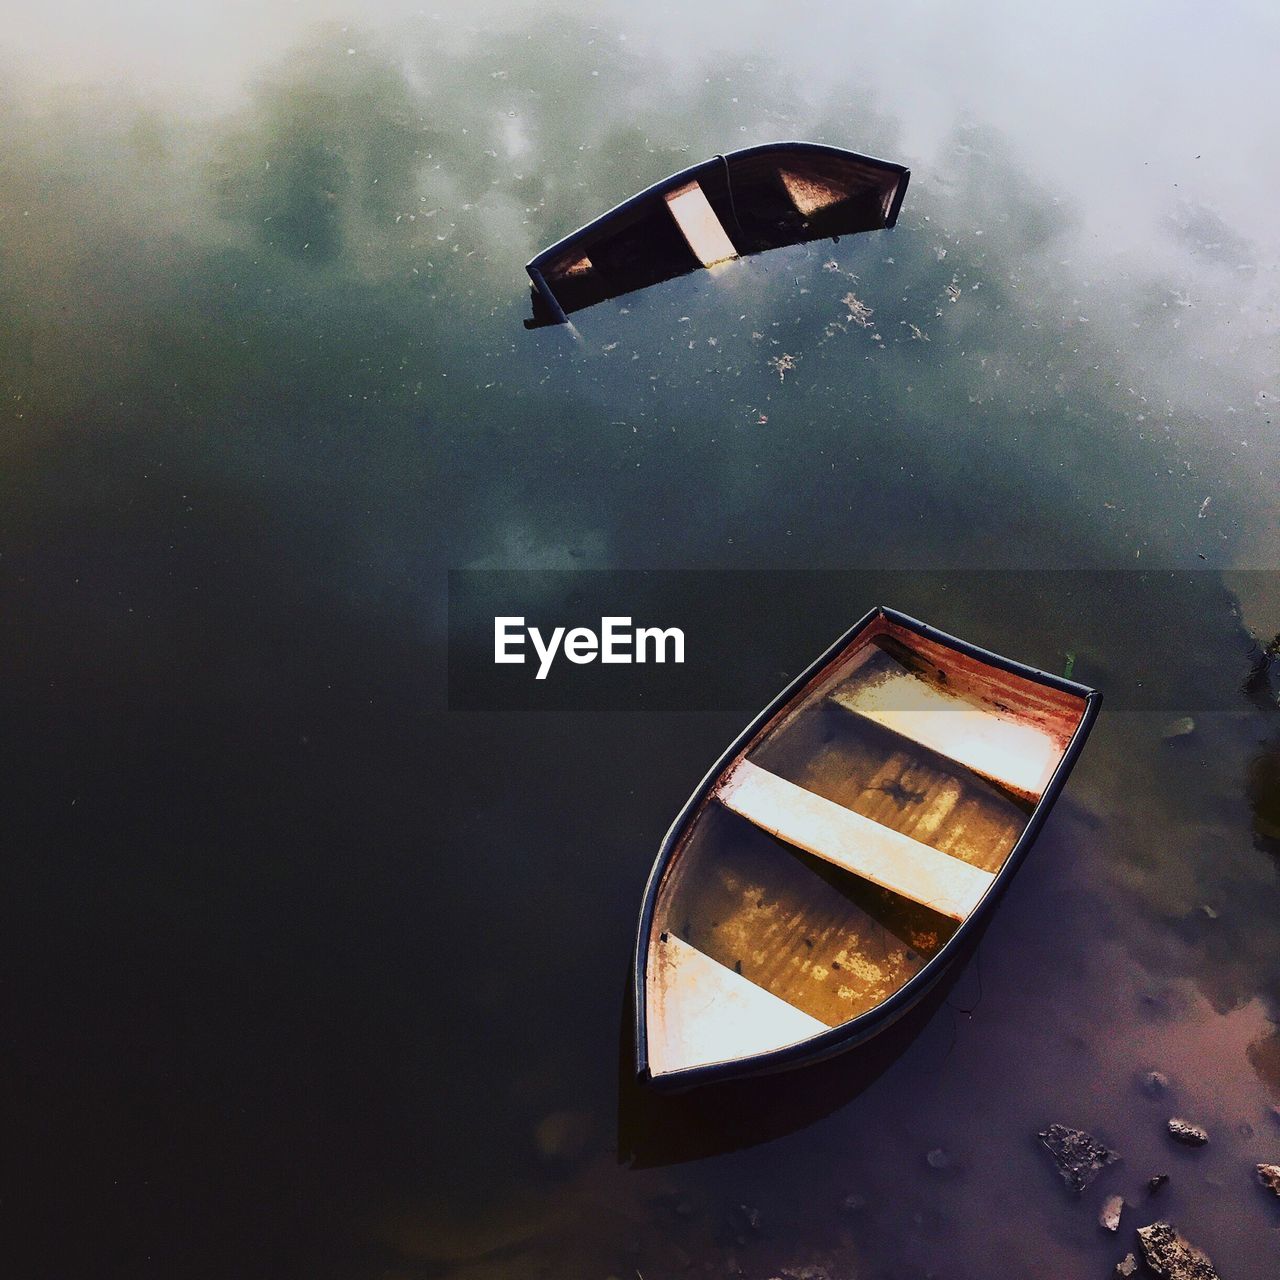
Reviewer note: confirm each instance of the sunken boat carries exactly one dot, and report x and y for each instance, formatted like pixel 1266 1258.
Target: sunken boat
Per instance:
pixel 728 207
pixel 826 871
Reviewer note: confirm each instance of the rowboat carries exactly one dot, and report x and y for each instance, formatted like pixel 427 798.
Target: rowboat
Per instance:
pixel 728 207
pixel 827 869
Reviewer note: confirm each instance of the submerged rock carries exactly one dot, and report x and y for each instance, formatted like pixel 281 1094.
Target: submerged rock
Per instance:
pixel 1109 1218
pixel 1126 1267
pixel 563 1137
pixel 1156 1181
pixel 1078 1156
pixel 1171 1256
pixel 1154 1083
pixel 1269 1176
pixel 742 1223
pixel 1192 1135
pixel 1262 684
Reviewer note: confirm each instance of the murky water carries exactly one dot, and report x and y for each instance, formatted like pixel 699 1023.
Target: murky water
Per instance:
pixel 306 975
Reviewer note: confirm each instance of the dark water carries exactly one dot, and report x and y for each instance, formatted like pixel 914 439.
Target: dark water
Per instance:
pixel 304 974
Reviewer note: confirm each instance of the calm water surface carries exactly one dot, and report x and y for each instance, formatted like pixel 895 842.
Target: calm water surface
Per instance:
pixel 306 975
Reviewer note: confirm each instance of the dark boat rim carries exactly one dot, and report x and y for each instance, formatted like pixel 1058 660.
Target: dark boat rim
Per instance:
pixel 863 1026
pixel 658 188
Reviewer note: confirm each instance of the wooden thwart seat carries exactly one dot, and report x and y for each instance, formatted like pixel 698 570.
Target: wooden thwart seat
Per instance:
pixel 848 840
pixel 702 230
pixel 702 1011
pixel 1019 756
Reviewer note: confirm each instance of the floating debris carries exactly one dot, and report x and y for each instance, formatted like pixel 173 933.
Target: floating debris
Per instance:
pixel 1204 508
pixel 1171 1256
pixel 941 1159
pixel 783 364
pixel 1269 1176
pixel 1192 1135
pixel 1180 728
pixel 1079 1157
pixel 857 311
pixel 1109 1218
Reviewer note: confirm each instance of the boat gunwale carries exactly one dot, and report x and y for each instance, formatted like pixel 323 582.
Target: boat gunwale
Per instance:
pixel 862 1026
pixel 663 185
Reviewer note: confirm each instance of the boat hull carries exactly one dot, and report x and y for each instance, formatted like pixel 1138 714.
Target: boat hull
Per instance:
pixel 828 1040
pixel 733 205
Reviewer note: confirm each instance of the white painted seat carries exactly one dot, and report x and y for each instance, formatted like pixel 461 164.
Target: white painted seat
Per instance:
pixel 699 225
pixel 701 1011
pixel 1018 755
pixel 846 839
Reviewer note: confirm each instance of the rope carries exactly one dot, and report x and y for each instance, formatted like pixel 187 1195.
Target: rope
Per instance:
pixel 733 208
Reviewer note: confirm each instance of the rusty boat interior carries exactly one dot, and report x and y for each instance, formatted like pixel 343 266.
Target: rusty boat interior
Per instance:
pixel 843 847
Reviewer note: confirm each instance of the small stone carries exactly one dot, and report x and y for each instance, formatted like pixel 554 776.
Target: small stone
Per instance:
pixel 1078 1156
pixel 1156 1182
pixel 1109 1218
pixel 1171 1256
pixel 749 1216
pixel 1154 1083
pixel 1269 1176
pixel 1192 1135
pixel 1126 1267
pixel 1179 728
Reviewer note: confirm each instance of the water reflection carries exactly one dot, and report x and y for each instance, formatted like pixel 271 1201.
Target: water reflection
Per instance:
pixel 1264 797
pixel 303 966
pixel 657 1129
